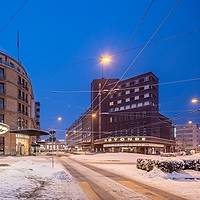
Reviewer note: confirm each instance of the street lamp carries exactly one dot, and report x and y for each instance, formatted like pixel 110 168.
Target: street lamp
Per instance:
pixel 194 100
pixel 104 60
pixel 92 134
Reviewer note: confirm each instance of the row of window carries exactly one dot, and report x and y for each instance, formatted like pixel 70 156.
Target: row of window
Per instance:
pixel 22 109
pixel 130 91
pixel 23 96
pixel 10 64
pixel 132 99
pixel 22 123
pixel 127 117
pixel 146 103
pixel 137 81
pixel 22 82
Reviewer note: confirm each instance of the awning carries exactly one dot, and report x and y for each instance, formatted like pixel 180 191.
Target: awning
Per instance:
pixel 34 144
pixel 30 132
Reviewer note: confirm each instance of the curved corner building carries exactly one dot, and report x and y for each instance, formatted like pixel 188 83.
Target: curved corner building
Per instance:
pixel 18 110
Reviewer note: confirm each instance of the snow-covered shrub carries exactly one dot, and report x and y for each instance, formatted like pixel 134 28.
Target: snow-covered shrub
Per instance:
pixel 192 164
pixel 170 166
pixel 145 164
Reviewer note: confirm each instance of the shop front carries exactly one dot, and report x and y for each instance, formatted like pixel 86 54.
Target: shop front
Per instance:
pixel 26 141
pixel 23 144
pixel 143 145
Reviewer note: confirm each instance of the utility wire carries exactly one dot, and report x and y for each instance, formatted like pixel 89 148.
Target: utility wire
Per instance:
pixel 115 53
pixel 122 89
pixel 144 47
pixel 14 15
pixel 134 33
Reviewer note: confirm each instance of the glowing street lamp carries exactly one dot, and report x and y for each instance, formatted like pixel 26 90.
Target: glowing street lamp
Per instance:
pixel 194 100
pixel 104 60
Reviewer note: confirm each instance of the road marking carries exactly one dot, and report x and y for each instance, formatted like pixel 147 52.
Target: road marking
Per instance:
pixel 142 190
pixel 88 190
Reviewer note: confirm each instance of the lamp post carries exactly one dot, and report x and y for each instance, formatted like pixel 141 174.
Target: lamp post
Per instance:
pixel 104 60
pixel 92 134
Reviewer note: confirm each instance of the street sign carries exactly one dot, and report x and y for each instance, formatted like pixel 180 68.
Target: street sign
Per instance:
pixel 52 134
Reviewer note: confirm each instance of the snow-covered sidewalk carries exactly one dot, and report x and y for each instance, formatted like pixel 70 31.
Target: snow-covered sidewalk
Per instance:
pixel 35 178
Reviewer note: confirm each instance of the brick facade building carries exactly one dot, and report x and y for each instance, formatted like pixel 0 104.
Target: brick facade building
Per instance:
pixel 126 117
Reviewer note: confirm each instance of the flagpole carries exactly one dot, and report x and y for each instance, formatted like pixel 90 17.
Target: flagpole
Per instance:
pixel 18 43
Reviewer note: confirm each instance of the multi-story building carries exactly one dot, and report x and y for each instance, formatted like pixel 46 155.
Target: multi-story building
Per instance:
pixel 18 109
pixel 127 117
pixel 186 136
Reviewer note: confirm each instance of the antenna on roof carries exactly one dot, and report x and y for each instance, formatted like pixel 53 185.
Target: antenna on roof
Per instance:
pixel 18 43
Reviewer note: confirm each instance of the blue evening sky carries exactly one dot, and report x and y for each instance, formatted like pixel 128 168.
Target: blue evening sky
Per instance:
pixel 61 42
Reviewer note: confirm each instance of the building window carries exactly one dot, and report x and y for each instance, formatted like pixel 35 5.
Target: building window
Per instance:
pixel 146 87
pixel 119 101
pixel 127 99
pixel 136 90
pixel 146 79
pixel 126 117
pixel 132 128
pixel 121 118
pixel 137 115
pixel 128 92
pixel 119 94
pixel 133 106
pixel 111 119
pixel 136 81
pixel 116 109
pixel 128 107
pixel 140 104
pixel 1 103
pixel 127 84
pixel 115 119
pixel 136 97
pixel 122 108
pixel 138 129
pixel 146 95
pixel 146 103
pixel 2 118
pixel 1 73
pixel 111 96
pixel 144 114
pixel 19 107
pixel 1 88
pixel 111 103
pixel 132 116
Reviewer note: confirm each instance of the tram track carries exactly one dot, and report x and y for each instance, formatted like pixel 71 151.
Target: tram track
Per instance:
pixel 102 184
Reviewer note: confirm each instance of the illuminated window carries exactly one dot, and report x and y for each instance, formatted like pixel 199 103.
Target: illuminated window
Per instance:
pixel 111 103
pixel 128 92
pixel 119 101
pixel 136 90
pixel 136 97
pixel 127 99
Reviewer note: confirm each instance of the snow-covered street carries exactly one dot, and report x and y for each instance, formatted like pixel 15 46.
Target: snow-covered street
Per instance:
pixel 34 177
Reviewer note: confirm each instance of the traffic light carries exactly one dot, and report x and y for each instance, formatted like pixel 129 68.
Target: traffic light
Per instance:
pixel 52 134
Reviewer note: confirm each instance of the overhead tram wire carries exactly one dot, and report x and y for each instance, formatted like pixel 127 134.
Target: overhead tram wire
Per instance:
pixel 144 47
pixel 115 53
pixel 14 15
pixel 134 33
pixel 121 89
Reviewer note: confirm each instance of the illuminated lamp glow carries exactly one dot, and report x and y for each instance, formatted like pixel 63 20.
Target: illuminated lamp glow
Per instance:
pixel 4 128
